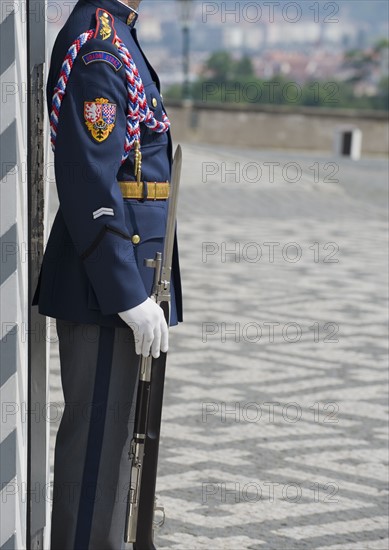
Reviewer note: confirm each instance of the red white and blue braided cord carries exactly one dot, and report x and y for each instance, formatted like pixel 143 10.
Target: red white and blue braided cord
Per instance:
pixel 60 89
pixel 138 109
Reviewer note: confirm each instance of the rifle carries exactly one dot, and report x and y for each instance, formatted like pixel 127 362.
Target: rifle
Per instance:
pixel 145 442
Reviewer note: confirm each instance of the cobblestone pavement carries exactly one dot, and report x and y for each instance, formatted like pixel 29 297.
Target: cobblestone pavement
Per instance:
pixel 275 419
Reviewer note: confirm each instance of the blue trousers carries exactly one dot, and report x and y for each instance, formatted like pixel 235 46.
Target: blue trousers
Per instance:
pixel 99 373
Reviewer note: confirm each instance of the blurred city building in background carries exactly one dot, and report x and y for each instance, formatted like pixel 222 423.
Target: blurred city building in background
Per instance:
pixel 343 41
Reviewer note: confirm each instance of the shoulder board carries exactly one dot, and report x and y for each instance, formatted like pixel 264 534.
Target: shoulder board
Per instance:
pixel 105 29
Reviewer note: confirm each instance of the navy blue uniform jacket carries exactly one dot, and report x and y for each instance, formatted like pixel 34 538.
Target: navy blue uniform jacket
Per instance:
pixel 91 269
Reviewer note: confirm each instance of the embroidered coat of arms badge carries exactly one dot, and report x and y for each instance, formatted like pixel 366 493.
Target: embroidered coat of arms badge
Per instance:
pixel 100 117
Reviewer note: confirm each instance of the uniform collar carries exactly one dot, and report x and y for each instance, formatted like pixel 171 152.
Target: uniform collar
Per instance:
pixel 118 10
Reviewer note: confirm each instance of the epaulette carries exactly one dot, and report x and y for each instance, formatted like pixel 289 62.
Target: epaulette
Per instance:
pixel 105 28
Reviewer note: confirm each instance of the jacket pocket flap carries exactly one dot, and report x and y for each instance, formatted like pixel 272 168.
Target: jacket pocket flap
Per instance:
pixel 147 219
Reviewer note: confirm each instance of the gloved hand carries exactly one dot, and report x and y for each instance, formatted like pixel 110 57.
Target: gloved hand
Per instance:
pixel 150 329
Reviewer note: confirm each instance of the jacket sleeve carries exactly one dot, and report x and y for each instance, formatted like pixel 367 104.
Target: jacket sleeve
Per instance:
pixel 86 164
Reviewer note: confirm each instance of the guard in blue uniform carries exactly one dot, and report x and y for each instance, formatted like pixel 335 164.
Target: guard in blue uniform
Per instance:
pixel 113 152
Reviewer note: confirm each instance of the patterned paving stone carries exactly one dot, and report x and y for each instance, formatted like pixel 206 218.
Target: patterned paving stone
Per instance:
pixel 275 424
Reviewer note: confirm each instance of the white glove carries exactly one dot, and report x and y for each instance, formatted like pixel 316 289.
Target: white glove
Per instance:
pixel 150 329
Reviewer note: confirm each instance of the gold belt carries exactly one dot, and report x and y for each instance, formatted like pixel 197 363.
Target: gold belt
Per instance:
pixel 148 190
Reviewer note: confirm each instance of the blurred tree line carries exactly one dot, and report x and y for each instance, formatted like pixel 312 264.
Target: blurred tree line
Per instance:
pixel 225 79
